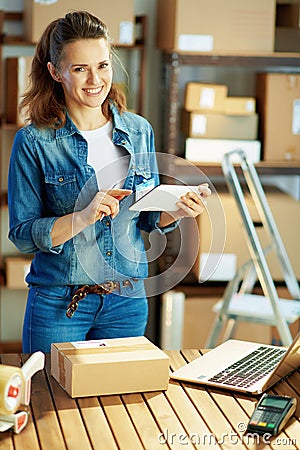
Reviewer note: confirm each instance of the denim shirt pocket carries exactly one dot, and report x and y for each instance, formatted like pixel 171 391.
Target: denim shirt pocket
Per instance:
pixel 62 191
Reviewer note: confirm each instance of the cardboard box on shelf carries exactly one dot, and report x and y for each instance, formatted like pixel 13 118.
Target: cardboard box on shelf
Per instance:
pixel 118 16
pixel 219 126
pixel 109 366
pixel 17 81
pixel 16 270
pixel 213 150
pixel 216 26
pixel 285 209
pixel 240 106
pixel 278 104
pixel 205 97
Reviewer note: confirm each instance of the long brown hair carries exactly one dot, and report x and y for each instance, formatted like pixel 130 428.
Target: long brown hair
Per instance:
pixel 44 101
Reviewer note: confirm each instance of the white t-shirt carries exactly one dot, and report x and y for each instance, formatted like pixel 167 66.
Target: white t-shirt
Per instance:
pixel 109 161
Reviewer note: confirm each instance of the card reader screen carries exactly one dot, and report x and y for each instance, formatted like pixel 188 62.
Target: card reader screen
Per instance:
pixel 274 402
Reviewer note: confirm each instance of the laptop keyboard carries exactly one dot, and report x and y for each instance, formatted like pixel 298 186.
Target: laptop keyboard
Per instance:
pixel 250 369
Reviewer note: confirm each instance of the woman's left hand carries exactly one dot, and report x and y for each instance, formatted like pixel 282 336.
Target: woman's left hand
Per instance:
pixel 192 204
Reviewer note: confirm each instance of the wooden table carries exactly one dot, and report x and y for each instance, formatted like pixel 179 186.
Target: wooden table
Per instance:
pixel 185 416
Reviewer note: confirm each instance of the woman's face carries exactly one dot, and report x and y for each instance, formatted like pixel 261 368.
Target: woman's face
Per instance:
pixel 86 73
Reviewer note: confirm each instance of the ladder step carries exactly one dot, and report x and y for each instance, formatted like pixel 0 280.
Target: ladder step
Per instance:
pixel 258 308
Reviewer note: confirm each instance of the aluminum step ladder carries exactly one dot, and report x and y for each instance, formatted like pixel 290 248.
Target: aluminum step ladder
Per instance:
pixel 238 302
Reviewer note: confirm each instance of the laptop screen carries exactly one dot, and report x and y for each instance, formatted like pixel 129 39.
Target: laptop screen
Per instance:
pixel 290 363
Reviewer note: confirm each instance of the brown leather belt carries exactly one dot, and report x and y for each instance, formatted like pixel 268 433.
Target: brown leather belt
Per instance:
pixel 104 288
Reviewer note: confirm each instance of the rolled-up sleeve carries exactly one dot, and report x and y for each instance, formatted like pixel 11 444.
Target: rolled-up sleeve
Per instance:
pixel 41 235
pixel 29 229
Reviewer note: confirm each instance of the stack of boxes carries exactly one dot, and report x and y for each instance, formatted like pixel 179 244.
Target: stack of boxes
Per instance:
pixel 215 123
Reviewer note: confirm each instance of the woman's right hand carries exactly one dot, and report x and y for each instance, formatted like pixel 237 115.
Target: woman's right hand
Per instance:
pixel 105 203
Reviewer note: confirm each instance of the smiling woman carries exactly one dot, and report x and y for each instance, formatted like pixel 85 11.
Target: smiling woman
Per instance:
pixel 73 169
pixel 86 77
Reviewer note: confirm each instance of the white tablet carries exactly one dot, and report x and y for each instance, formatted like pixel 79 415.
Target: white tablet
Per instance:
pixel 162 198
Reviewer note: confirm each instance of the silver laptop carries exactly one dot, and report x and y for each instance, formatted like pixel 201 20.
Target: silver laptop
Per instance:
pixel 242 366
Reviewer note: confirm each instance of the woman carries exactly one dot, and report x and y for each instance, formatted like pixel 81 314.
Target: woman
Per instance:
pixel 72 176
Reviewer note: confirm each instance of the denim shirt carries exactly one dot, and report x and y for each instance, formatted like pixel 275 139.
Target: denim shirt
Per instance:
pixel 49 177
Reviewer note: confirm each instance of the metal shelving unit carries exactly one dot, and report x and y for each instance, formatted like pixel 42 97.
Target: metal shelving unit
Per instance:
pixel 172 73
pixel 173 64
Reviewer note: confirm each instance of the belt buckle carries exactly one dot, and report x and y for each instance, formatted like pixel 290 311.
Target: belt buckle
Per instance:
pixel 108 287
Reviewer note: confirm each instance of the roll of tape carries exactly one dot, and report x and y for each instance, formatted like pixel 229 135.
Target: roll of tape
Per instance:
pixel 12 385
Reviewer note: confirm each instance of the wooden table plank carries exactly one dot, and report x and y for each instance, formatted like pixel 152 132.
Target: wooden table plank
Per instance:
pixel 180 358
pixel 176 359
pixel 197 430
pixel 237 417
pixel 44 414
pixel 213 416
pixel 6 441
pixel 168 421
pixel 120 423
pixel 68 414
pixel 143 421
pixel 96 424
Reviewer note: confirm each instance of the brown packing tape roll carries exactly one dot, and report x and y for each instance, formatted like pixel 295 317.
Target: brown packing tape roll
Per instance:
pixel 12 385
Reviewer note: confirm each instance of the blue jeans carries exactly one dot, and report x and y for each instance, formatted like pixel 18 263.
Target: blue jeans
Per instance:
pixel 97 317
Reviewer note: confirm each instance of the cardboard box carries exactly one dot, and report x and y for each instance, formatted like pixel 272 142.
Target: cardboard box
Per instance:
pixel 240 106
pixel 17 269
pixel 219 126
pixel 216 25
pixel 285 209
pixel 213 150
pixel 17 82
pixel 205 97
pixel 118 16
pixel 278 104
pixel 110 366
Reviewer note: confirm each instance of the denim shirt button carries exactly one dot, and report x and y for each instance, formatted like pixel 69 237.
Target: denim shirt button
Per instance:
pixel 108 253
pixel 61 179
pixel 107 223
